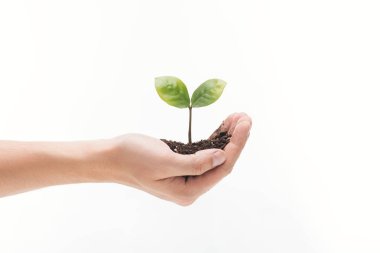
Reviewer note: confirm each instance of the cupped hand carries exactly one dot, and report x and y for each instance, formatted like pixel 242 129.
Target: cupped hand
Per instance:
pixel 148 163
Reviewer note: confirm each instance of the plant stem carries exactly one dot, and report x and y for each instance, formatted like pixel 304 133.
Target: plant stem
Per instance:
pixel 189 135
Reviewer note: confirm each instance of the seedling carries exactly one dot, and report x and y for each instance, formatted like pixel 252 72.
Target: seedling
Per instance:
pixel 174 92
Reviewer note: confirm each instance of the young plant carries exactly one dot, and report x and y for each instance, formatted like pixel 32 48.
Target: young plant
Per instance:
pixel 174 92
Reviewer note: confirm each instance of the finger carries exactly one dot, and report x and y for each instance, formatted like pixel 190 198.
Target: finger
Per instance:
pixel 240 134
pixel 229 124
pixel 187 192
pixel 223 127
pixel 232 150
pixel 217 131
pixel 237 118
pixel 198 163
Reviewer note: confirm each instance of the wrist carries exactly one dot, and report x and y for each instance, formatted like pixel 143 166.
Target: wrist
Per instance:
pixel 99 160
pixel 108 161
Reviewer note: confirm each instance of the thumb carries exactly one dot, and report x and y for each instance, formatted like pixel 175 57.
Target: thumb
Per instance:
pixel 200 162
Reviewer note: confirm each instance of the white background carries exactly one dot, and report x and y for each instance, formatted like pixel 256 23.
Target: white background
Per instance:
pixel 306 71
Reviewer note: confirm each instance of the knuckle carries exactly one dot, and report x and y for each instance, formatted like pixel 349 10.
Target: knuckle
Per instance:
pixel 250 120
pixel 246 117
pixel 185 198
pixel 185 202
pixel 198 166
pixel 228 170
pixel 201 163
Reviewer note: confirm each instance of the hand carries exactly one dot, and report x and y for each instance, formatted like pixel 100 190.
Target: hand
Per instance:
pixel 148 164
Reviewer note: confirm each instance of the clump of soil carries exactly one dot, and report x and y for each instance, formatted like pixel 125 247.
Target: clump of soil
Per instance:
pixel 219 140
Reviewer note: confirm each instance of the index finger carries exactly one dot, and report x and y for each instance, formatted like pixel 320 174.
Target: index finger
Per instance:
pixel 228 125
pixel 233 149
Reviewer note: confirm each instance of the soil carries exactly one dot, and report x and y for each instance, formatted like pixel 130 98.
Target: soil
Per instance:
pixel 219 140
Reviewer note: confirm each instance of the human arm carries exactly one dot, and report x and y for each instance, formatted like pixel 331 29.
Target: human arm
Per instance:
pixel 135 160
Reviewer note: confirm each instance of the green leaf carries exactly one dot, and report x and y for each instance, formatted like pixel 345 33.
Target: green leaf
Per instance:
pixel 173 91
pixel 207 93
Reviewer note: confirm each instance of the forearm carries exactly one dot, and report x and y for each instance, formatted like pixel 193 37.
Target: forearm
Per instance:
pixel 26 166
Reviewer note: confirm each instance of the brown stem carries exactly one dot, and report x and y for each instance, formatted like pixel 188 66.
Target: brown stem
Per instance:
pixel 189 135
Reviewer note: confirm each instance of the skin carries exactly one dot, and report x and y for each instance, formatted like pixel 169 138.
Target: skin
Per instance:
pixel 134 160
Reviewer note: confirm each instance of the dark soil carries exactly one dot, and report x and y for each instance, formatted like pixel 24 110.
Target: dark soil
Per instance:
pixel 219 140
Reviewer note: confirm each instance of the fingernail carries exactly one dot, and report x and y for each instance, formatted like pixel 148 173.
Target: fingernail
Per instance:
pixel 218 158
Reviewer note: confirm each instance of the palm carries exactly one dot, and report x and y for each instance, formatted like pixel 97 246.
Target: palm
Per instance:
pixel 238 125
